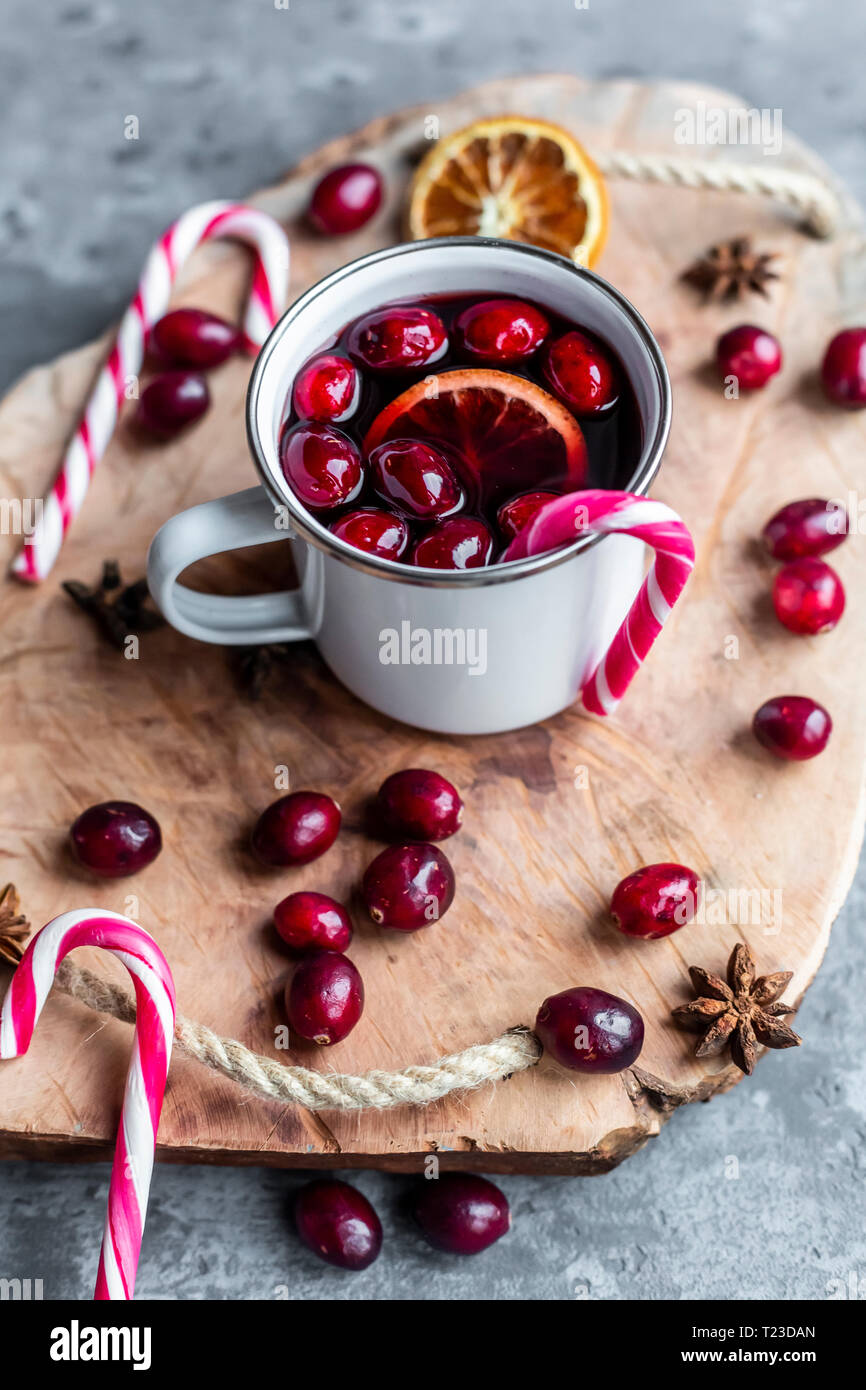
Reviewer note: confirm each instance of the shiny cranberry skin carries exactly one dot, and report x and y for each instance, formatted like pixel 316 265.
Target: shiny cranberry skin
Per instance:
pixel 327 389
pixel 460 543
pixel 115 838
pixel 793 727
pixel 581 374
pixel 808 596
pixel 415 478
pixel 501 331
pixel 376 531
pixel 843 371
pixel 408 886
pixel 587 1029
pixel 338 1224
pixel 345 199
pixel 517 512
pixel 325 998
pixel 750 354
pixel 656 900
pixel 194 338
pixel 416 804
pixel 321 465
pixel 313 922
pixel 297 828
pixel 812 526
pixel 398 339
pixel 462 1213
pixel 172 401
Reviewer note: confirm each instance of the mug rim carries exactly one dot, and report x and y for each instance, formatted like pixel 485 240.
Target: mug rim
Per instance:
pixel 318 535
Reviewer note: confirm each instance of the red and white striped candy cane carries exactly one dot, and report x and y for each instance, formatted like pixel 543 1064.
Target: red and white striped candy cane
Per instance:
pixel 266 301
pixel 623 513
pixel 145 1080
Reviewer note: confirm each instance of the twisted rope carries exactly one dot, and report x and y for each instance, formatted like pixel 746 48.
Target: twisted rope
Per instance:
pixel 807 193
pixel 513 1051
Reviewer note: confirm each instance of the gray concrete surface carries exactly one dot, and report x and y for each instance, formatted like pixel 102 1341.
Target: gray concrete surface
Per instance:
pixel 762 1193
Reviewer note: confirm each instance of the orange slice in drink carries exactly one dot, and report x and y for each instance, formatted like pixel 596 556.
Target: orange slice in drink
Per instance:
pixel 513 177
pixel 502 433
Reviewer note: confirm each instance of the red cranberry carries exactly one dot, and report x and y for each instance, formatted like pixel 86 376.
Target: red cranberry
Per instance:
pixel 408 886
pixel 297 828
pixel 345 199
pixel 321 464
pixel 376 531
pixel 516 513
pixel 398 339
pixel 656 900
pixel 460 543
pixel 194 338
pixel 843 371
pixel 420 805
pixel 750 354
pixel 325 998
pixel 581 374
pixel 501 331
pixel 810 527
pixel 338 1224
pixel 327 389
pixel 115 838
pixel 313 922
pixel 415 478
pixel 793 727
pixel 172 401
pixel 589 1030
pixel 808 596
pixel 462 1213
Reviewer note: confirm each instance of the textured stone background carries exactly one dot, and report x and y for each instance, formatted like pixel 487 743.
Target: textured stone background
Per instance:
pixel 229 93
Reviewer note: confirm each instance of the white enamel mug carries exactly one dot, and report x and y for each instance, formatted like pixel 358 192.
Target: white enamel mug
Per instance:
pixel 463 652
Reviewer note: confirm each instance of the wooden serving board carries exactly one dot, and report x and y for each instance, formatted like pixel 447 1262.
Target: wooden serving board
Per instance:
pixel 556 814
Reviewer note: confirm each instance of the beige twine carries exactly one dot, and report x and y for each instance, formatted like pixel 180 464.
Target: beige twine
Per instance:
pixel 514 1051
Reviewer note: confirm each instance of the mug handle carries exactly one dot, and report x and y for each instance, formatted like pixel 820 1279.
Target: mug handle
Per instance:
pixel 229 523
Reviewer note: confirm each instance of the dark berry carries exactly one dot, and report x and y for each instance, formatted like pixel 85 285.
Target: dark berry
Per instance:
pixel 375 531
pixel 581 374
pixel 501 331
pixel 656 900
pixel 812 526
pixel 321 464
pixel 793 727
pixel 171 402
pixel 324 998
pixel 458 543
pixel 313 922
pixel 398 339
pixel 338 1224
pixel 345 199
pixel 115 838
pixel 420 805
pixel 408 886
pixel 461 1213
pixel 415 478
pixel 297 828
pixel 808 596
pixel 517 512
pixel 327 389
pixel 589 1030
pixel 843 372
pixel 750 354
pixel 194 338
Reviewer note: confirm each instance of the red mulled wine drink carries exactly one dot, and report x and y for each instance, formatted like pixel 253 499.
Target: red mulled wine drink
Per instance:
pixel 458 417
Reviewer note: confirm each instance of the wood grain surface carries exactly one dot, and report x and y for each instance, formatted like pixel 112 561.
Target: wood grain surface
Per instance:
pixel 556 814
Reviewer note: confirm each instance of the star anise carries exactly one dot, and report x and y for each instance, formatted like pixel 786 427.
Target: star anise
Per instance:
pixel 124 614
pixel 14 926
pixel 743 1012
pixel 730 270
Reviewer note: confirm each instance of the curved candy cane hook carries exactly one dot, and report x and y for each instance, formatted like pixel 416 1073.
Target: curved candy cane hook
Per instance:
pixel 265 303
pixel 623 513
pixel 145 1080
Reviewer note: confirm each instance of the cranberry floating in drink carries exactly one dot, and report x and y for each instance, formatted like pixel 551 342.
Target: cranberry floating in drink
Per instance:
pixel 461 543
pixel 519 511
pixel 376 531
pixel 415 478
pixel 321 464
pixel 581 374
pixel 398 339
pixel 501 332
pixel 327 389
pixel 194 338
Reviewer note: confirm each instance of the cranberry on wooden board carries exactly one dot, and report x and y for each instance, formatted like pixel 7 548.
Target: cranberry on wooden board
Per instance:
pixel 296 828
pixel 419 804
pixel 501 332
pixel 171 402
pixel 345 199
pixel 115 838
pixel 194 338
pixel 656 900
pixel 808 596
pixel 408 886
pixel 749 354
pixel 327 389
pixel 587 1029
pixel 324 998
pixel 415 478
pixel 517 512
pixel 812 526
pixel 398 338
pixel 581 374
pixel 338 1224
pixel 462 1213
pixel 375 531
pixel 322 465
pixel 843 371
pixel 793 727
pixel 313 922
pixel 458 543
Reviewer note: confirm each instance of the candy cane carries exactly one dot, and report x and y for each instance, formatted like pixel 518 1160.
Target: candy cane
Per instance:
pixel 145 1080
pixel 605 513
pixel 266 301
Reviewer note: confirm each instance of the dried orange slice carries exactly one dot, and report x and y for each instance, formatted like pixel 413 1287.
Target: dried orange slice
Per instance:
pixel 503 434
pixel 513 177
